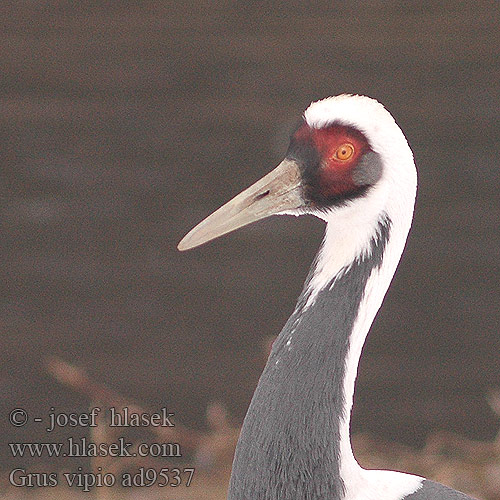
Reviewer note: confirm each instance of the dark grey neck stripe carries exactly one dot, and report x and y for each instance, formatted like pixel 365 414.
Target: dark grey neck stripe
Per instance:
pixel 289 443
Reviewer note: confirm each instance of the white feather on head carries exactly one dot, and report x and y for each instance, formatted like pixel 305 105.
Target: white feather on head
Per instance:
pixel 351 227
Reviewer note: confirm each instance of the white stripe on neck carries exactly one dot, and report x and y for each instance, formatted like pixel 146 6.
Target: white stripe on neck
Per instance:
pixel 350 231
pixel 364 484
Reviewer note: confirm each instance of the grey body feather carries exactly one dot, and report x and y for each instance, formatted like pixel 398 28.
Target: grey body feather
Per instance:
pixel 435 491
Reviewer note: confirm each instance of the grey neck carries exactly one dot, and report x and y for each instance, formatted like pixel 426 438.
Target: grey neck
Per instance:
pixel 289 443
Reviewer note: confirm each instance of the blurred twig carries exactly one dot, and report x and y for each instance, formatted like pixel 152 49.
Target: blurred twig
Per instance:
pixel 80 381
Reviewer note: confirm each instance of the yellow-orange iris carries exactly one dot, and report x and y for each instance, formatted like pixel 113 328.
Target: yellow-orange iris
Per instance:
pixel 344 152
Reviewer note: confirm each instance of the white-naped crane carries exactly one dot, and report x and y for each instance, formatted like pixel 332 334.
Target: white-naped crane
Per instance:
pixel 349 164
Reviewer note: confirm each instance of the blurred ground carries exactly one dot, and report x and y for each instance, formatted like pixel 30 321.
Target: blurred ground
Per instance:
pixel 122 124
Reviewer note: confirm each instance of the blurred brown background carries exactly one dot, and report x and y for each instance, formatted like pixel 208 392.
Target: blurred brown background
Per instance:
pixel 122 124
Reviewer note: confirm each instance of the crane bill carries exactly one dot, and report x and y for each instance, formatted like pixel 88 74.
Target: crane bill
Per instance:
pixel 278 191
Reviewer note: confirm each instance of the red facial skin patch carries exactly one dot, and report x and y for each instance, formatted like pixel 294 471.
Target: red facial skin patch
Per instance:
pixel 334 176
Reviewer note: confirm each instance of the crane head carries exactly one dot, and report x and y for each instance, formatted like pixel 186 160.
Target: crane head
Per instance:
pixel 338 153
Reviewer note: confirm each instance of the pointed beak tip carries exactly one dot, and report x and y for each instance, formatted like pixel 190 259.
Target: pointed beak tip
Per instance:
pixel 184 245
pixel 192 240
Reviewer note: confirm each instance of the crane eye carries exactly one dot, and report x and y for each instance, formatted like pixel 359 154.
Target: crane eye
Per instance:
pixel 344 152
